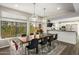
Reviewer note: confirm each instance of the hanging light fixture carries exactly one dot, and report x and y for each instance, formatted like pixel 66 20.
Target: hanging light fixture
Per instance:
pixel 44 15
pixel 44 12
pixel 34 17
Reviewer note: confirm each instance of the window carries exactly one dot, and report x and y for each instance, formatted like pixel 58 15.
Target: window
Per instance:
pixel 34 26
pixel 12 29
pixel 21 28
pixel 8 29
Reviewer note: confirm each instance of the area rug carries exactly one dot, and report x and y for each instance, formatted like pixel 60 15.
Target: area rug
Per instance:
pixel 58 50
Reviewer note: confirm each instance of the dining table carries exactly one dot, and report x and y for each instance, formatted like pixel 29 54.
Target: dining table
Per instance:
pixel 39 39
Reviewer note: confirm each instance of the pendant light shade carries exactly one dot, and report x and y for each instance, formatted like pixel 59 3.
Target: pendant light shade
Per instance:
pixel 34 17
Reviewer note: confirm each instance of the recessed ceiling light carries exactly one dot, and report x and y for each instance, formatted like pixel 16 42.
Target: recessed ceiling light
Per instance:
pixel 16 5
pixel 58 8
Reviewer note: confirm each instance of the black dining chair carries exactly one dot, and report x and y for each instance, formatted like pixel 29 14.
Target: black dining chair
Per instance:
pixel 50 39
pixel 43 43
pixel 54 37
pixel 33 45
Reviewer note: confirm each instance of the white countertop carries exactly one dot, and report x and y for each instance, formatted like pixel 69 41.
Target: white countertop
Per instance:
pixel 65 36
pixel 61 30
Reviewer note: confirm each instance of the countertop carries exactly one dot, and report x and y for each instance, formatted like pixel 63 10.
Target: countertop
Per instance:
pixel 61 30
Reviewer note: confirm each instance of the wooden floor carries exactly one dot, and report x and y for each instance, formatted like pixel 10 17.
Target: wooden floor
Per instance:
pixel 5 51
pixel 69 49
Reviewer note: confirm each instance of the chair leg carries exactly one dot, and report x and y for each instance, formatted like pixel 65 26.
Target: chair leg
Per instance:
pixel 25 50
pixel 28 52
pixel 42 48
pixel 47 47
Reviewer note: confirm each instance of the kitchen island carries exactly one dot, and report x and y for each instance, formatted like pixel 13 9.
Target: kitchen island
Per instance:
pixel 65 36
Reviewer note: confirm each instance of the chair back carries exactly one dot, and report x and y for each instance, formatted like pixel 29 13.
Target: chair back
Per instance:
pixel 45 40
pixel 56 36
pixel 50 38
pixel 37 36
pixel 31 37
pixel 34 43
pixel 14 45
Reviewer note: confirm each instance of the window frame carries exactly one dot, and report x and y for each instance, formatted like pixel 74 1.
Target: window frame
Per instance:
pixel 13 21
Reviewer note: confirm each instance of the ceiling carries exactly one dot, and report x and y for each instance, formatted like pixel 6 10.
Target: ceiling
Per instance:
pixel 52 9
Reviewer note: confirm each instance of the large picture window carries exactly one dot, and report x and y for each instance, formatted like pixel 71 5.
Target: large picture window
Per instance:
pixel 12 29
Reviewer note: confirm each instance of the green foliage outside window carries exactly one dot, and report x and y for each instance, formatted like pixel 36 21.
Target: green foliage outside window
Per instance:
pixel 21 29
pixel 10 29
pixel 32 28
pixel 7 30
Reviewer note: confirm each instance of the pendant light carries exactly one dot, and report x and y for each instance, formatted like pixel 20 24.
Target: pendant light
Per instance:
pixel 34 17
pixel 44 17
pixel 44 12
